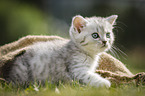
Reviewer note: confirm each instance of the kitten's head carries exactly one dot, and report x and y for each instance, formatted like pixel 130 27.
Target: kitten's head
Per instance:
pixel 93 34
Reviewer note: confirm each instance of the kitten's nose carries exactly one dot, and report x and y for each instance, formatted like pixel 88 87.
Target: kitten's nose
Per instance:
pixel 104 42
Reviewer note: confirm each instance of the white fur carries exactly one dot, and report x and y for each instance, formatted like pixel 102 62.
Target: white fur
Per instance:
pixel 93 49
pixel 68 59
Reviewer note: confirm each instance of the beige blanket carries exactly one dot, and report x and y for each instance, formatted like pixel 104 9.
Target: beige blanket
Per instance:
pixel 109 67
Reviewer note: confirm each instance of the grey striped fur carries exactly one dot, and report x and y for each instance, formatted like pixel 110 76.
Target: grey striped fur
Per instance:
pixel 66 60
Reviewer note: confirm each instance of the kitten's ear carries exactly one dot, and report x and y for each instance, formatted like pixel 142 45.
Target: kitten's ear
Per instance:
pixel 112 19
pixel 79 22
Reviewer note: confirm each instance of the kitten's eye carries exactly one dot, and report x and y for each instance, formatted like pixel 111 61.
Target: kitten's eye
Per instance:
pixel 95 35
pixel 108 35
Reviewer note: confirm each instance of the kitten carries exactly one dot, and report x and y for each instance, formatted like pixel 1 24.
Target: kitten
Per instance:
pixel 67 60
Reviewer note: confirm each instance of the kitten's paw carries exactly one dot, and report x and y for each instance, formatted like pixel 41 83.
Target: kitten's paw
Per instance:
pixel 104 83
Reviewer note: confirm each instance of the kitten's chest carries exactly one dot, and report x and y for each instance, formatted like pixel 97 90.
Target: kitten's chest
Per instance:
pixel 85 60
pixel 91 63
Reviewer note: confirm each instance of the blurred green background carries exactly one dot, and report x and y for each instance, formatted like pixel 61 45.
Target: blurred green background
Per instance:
pixel 19 18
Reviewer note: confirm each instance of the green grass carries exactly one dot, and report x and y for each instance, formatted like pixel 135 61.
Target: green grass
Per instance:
pixel 78 90
pixel 75 89
pixel 70 90
pixel 135 65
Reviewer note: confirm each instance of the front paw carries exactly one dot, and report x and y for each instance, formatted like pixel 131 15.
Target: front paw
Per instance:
pixel 104 83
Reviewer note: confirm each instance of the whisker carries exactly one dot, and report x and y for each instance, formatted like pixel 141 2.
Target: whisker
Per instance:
pixel 115 30
pixel 120 52
pixel 117 27
pixel 117 56
pixel 122 23
pixel 112 52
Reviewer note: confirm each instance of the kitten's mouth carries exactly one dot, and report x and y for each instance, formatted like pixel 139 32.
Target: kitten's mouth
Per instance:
pixel 103 46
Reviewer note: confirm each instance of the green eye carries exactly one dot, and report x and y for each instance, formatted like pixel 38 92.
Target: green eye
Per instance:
pixel 95 35
pixel 108 35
